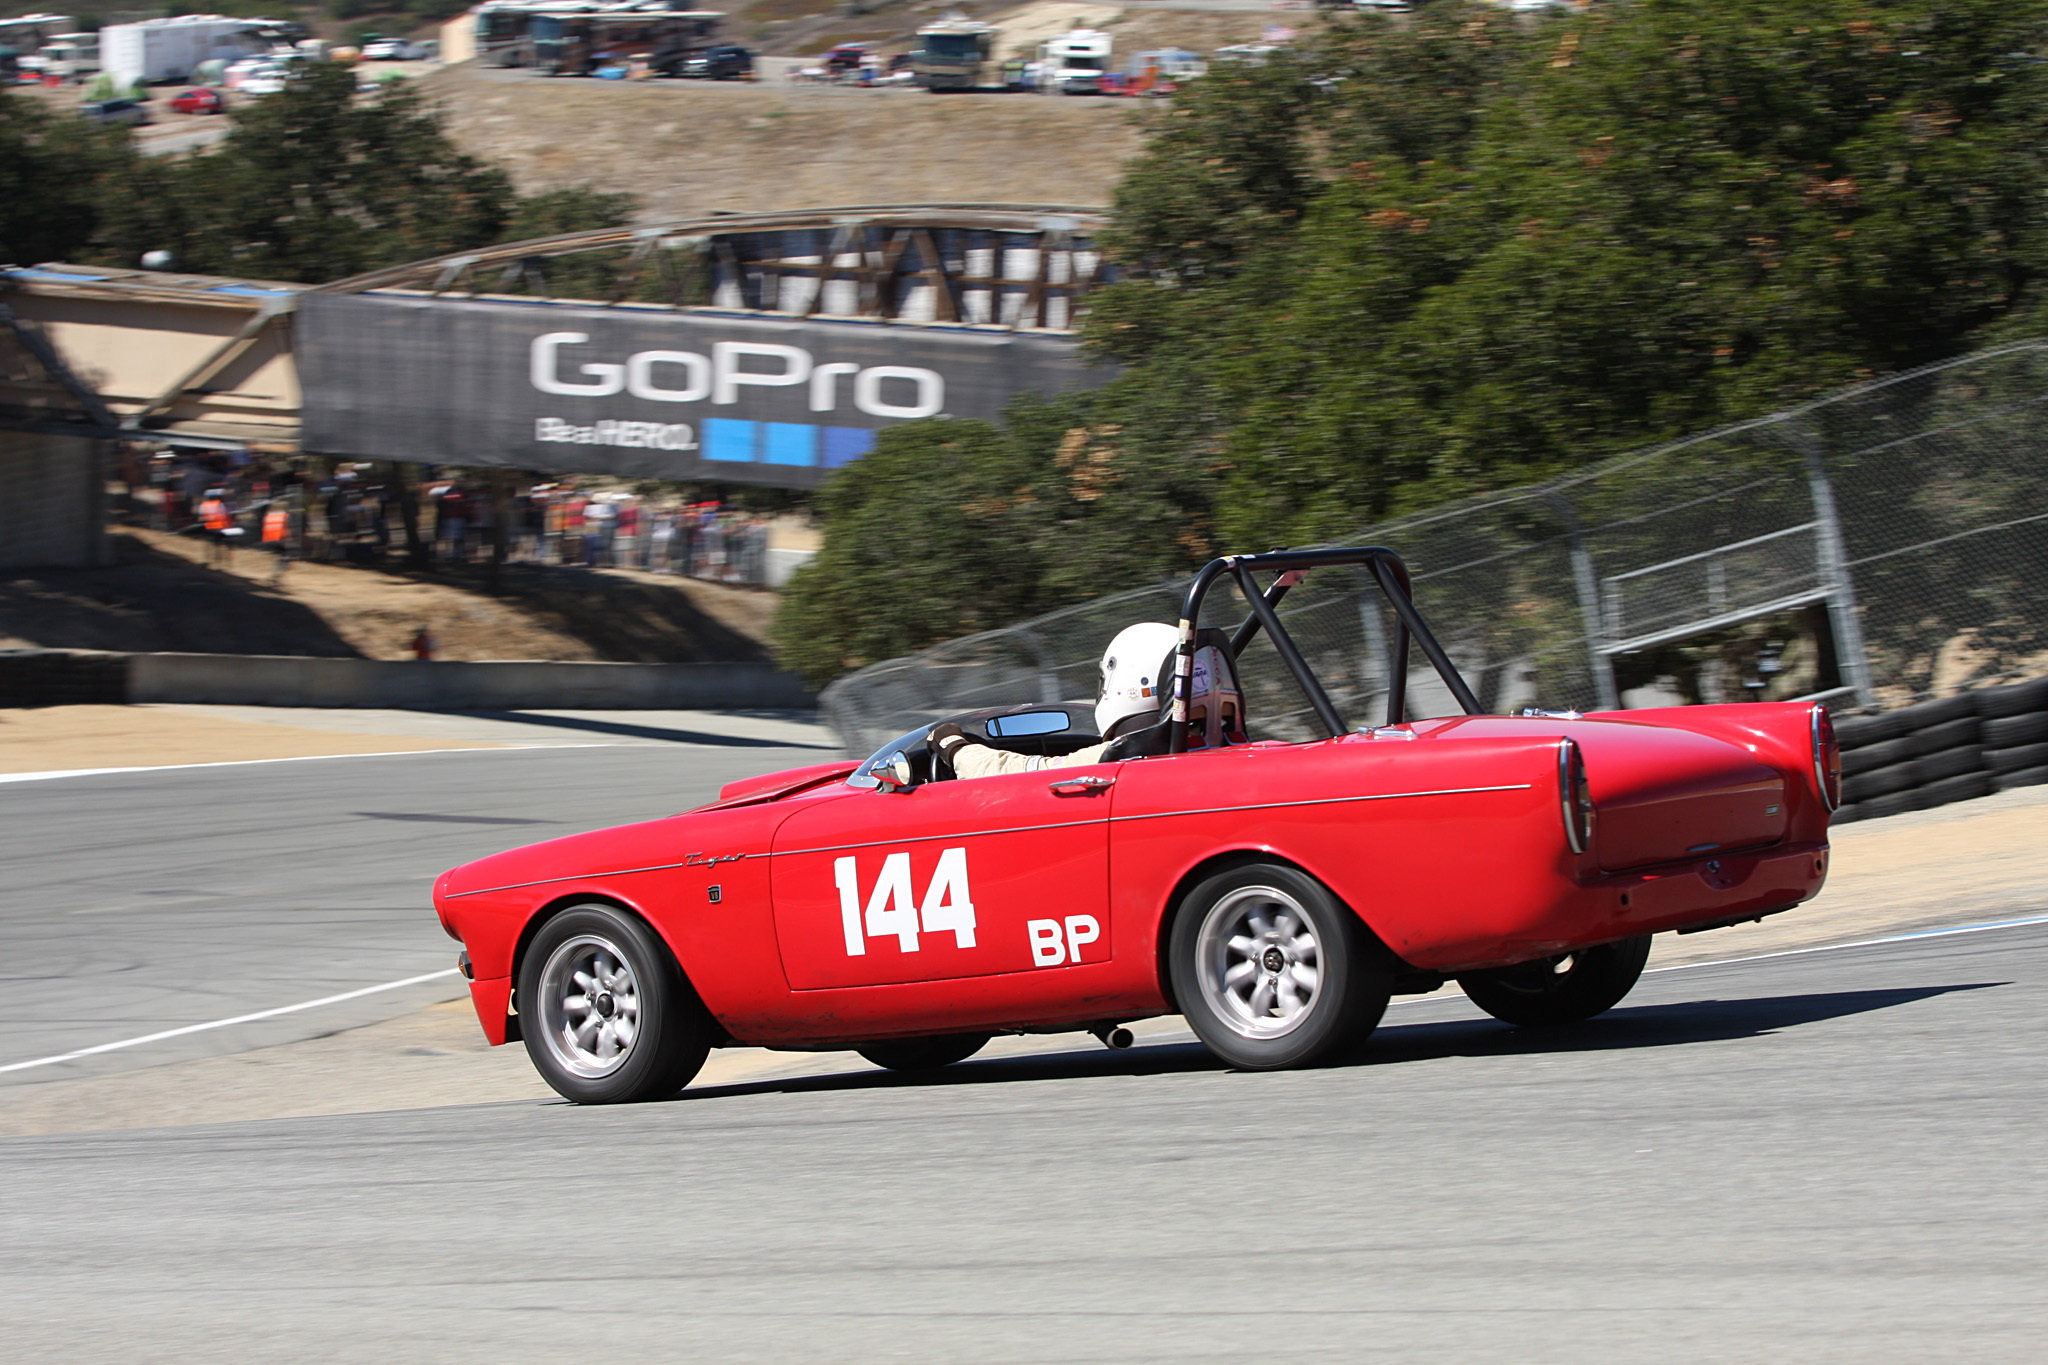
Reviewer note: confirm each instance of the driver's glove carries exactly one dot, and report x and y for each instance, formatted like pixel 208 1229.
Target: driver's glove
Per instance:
pixel 947 740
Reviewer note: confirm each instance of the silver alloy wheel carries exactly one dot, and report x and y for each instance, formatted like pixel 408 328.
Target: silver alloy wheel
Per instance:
pixel 589 1006
pixel 1259 962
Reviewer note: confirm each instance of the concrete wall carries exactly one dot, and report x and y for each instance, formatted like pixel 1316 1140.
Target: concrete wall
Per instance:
pixel 52 502
pixel 276 680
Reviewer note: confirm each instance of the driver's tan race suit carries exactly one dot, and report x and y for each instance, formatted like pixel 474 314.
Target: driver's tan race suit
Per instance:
pixel 979 760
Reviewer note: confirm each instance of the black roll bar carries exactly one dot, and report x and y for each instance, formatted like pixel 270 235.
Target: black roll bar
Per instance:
pixel 1389 572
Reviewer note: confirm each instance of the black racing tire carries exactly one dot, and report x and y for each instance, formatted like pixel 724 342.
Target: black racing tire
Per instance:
pixel 1967 758
pixel 2013 731
pixel 1939 739
pixel 1892 803
pixel 924 1054
pixel 1247 943
pixel 2024 777
pixel 1967 787
pixel 2014 759
pixel 1868 758
pixel 1941 711
pixel 1879 782
pixel 1847 813
pixel 2014 699
pixel 1536 994
pixel 642 1036
pixel 1860 732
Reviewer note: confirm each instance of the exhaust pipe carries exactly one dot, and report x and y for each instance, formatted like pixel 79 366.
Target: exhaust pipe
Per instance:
pixel 1113 1036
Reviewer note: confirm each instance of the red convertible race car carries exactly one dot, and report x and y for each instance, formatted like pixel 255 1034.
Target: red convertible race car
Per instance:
pixel 1276 894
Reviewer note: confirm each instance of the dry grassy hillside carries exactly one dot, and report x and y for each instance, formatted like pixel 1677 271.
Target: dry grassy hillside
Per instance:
pixel 685 148
pixel 688 147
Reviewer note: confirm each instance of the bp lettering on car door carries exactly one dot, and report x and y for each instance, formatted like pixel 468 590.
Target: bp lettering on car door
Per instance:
pixel 979 878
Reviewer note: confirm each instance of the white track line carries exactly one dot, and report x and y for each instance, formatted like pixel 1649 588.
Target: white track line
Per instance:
pixel 1859 943
pixel 225 1023
pixel 303 758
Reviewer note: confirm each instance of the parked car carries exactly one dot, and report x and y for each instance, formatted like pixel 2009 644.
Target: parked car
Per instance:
pixel 200 100
pixel 1274 893
pixel 722 63
pixel 264 81
pixel 133 113
pixel 235 72
pixel 391 50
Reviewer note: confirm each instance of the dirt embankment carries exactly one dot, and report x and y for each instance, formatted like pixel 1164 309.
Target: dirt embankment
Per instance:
pixel 686 148
pixel 160 595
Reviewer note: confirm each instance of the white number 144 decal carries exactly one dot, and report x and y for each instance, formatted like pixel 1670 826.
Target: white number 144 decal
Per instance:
pixel 947 904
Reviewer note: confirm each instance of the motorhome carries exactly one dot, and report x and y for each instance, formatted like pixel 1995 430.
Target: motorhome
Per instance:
pixel 71 56
pixel 574 37
pixel 1074 63
pixel 952 52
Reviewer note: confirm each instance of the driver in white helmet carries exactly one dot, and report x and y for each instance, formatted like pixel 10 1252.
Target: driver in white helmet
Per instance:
pixel 1137 670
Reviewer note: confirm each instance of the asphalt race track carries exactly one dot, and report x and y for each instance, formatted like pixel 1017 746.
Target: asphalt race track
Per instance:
pixel 137 902
pixel 1815 1157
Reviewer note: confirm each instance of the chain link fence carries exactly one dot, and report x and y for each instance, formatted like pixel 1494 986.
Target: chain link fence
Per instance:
pixel 1879 546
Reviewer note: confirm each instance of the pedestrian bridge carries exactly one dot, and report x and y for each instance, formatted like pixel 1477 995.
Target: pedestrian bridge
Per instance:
pixel 760 348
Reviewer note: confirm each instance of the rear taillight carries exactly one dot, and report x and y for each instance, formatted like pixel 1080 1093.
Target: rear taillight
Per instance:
pixel 1827 759
pixel 1574 796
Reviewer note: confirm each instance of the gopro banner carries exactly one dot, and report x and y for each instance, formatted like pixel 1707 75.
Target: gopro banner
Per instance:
pixel 644 392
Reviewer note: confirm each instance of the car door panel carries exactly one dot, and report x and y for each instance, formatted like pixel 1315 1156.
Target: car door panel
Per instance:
pixel 947 882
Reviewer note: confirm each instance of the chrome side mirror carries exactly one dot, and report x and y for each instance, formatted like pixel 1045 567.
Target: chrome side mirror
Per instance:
pixel 893 773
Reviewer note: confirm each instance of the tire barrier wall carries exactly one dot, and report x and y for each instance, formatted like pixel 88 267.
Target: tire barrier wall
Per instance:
pixel 1954 749
pixel 61 677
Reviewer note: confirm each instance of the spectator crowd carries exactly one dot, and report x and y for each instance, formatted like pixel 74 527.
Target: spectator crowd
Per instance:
pixel 358 514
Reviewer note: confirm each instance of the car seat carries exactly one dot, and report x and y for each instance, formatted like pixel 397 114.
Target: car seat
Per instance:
pixel 1216 715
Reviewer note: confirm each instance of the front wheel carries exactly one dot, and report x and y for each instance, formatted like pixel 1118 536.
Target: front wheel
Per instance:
pixel 605 1012
pixel 1272 972
pixel 924 1054
pixel 1563 989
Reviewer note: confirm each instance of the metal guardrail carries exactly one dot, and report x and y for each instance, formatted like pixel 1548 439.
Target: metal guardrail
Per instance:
pixel 1891 538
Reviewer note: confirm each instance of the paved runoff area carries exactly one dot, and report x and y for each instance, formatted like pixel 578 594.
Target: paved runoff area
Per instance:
pixel 245 1111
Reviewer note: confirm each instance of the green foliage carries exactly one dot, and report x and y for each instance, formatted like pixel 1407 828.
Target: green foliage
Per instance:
pixel 55 176
pixel 1413 262
pixel 951 527
pixel 557 213
pixel 316 184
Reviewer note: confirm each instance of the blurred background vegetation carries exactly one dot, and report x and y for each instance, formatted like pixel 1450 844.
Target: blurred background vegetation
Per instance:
pixel 1408 262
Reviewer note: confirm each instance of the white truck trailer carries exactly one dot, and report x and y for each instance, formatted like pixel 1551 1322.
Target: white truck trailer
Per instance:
pixel 169 49
pixel 1074 63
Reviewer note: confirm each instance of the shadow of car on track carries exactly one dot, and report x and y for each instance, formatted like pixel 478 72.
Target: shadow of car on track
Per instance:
pixel 661 732
pixel 1691 1021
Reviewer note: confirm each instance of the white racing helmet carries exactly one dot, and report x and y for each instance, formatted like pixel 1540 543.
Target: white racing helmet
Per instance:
pixel 1136 673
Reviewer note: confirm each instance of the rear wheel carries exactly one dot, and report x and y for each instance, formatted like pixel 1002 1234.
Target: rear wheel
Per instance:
pixel 924 1054
pixel 1272 972
pixel 1562 989
pixel 605 1012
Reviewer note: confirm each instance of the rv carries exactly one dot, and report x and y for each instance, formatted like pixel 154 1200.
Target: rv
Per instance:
pixel 71 56
pixel 573 37
pixel 952 52
pixel 1073 63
